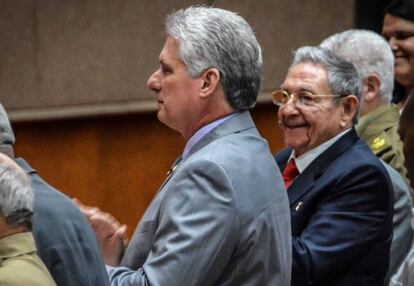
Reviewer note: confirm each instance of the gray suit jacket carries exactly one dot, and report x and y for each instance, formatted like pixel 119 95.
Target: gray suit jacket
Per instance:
pixel 402 231
pixel 405 274
pixel 221 218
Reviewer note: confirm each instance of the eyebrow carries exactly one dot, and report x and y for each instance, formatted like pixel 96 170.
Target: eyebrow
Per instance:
pixel 166 65
pixel 305 88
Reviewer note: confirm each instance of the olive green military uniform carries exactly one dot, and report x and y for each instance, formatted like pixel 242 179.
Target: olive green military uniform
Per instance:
pixel 379 129
pixel 19 263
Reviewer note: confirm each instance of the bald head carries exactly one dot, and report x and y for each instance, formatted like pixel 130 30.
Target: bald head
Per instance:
pixel 6 134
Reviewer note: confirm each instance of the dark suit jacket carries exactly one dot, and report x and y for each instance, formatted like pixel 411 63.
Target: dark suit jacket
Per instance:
pixel 341 208
pixel 65 241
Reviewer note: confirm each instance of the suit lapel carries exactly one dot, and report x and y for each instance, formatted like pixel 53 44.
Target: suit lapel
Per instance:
pixel 300 186
pixel 308 178
pixel 239 122
pixel 171 172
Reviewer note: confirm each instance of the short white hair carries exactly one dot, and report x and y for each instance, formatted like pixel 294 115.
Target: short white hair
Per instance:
pixel 370 54
pixel 16 194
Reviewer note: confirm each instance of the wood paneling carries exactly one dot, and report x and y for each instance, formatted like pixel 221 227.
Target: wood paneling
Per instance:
pixel 115 163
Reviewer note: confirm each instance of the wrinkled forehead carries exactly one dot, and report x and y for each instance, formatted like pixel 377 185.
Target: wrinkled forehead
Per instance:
pixel 170 50
pixel 307 76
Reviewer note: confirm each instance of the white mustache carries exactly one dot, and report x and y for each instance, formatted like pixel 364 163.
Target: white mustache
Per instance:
pixel 291 122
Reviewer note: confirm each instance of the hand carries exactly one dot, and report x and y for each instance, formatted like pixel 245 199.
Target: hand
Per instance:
pixel 110 234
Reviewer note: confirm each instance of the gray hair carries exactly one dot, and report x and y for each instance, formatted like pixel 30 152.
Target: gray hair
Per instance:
pixel 370 54
pixel 6 134
pixel 16 195
pixel 215 38
pixel 343 77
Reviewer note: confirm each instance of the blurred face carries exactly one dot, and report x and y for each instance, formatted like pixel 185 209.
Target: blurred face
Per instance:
pixel 406 131
pixel 306 127
pixel 400 35
pixel 175 90
pixel 7 161
pixel 5 229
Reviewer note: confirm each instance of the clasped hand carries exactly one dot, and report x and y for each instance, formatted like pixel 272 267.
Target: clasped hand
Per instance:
pixel 110 234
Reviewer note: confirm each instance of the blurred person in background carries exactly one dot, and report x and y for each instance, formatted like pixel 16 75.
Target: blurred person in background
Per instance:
pixel 19 263
pixel 65 241
pixel 405 274
pixel 378 124
pixel 398 30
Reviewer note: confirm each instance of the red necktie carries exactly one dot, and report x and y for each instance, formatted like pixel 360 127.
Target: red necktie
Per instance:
pixel 290 172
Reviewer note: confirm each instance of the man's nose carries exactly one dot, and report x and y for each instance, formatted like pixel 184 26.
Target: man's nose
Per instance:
pixel 289 107
pixel 153 82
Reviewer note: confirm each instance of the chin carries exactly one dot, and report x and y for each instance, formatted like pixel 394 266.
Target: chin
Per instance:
pixel 294 145
pixel 403 72
pixel 161 116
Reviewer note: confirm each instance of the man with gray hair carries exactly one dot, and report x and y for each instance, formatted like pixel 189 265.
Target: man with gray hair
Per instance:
pixel 378 125
pixel 19 264
pixel 339 192
pixel 221 217
pixel 70 251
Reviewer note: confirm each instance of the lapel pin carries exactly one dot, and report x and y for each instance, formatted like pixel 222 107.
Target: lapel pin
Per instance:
pixel 172 170
pixel 298 206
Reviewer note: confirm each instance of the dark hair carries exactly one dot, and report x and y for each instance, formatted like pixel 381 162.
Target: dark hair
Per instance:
pixel 401 8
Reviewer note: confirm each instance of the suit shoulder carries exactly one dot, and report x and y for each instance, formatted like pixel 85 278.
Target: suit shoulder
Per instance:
pixel 358 163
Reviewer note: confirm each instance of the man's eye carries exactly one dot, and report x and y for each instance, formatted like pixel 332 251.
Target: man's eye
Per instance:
pixel 166 70
pixel 306 98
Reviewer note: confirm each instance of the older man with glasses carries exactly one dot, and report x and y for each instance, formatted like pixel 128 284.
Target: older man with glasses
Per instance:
pixel 340 195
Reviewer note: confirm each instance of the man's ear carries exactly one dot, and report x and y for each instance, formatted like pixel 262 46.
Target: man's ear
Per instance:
pixel 372 84
pixel 350 105
pixel 210 81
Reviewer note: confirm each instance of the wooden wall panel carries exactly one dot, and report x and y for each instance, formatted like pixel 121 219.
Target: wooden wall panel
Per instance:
pixel 115 163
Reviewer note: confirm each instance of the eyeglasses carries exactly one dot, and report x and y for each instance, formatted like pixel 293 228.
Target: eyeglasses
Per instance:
pixel 303 98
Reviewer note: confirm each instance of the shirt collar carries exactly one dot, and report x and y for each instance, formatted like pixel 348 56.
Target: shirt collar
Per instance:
pixel 17 244
pixel 201 133
pixel 304 160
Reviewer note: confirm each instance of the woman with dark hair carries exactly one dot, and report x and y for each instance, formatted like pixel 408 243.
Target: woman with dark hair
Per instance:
pixel 398 29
